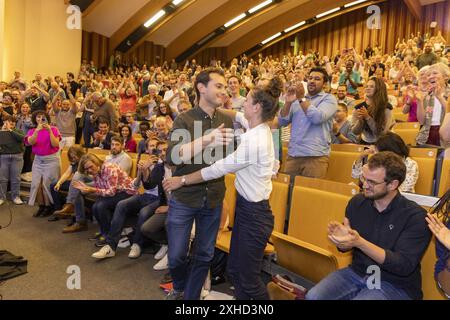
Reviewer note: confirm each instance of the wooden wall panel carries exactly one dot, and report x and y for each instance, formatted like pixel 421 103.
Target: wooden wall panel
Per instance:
pixel 146 53
pixel 95 47
pixel 350 30
pixel 205 56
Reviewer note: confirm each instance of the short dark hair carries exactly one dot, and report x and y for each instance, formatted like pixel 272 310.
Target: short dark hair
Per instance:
pixel 322 71
pixel 160 143
pixel 392 163
pixel 236 77
pixel 391 141
pixel 103 120
pixel 10 118
pixel 204 78
pixel 144 123
pixel 117 138
pixel 70 74
pixel 37 113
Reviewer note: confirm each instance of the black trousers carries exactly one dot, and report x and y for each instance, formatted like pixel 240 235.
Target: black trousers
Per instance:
pixel 252 228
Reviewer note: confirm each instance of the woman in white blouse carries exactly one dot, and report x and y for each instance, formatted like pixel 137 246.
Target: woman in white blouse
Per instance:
pixel 253 162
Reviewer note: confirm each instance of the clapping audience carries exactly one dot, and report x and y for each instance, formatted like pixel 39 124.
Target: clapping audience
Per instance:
pixel 349 98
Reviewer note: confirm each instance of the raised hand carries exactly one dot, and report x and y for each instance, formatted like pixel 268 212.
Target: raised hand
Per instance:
pixel 441 232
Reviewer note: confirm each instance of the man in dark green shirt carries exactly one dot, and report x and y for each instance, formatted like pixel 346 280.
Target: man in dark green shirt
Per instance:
pixel 198 138
pixel 11 159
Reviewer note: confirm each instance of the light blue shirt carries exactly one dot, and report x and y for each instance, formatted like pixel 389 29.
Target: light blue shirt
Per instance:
pixel 311 131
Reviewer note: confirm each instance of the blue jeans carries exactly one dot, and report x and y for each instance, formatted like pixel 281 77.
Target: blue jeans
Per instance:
pixel 103 210
pixel 10 170
pixel 75 197
pixel 190 278
pixel 345 284
pixel 252 228
pixel 131 205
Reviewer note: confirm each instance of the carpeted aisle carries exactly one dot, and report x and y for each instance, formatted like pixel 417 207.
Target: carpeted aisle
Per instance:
pixel 50 252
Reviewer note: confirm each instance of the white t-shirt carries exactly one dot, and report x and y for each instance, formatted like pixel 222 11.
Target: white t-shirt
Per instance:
pixel 437 111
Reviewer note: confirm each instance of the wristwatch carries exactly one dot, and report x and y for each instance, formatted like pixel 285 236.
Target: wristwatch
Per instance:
pixel 183 181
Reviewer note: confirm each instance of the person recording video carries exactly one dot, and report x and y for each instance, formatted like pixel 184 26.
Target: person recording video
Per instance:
pixel 11 159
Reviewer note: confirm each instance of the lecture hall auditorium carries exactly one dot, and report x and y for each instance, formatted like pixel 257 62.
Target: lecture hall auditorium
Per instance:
pixel 225 150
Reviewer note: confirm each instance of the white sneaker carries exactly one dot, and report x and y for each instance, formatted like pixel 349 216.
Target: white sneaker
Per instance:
pixel 124 243
pixel 161 252
pixel 18 201
pixel 2 201
pixel 163 264
pixel 135 251
pixel 105 252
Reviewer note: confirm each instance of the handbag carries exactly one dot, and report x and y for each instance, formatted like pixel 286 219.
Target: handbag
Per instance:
pixel 443 280
pixel 282 288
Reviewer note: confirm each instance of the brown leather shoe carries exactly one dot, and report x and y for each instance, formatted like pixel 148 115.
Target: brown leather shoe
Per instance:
pixel 66 212
pixel 76 227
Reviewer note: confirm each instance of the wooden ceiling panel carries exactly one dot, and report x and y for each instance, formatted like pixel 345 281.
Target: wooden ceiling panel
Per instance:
pixel 133 22
pixel 304 11
pixel 172 29
pixel 206 25
pixel 109 15
pixel 256 21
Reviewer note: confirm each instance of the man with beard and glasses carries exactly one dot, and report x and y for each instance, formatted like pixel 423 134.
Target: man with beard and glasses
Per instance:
pixel 386 232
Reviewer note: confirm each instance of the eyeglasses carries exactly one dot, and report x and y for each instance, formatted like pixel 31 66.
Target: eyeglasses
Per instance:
pixel 370 183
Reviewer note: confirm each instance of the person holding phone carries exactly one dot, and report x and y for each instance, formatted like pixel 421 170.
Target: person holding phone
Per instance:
pixel 44 140
pixel 11 159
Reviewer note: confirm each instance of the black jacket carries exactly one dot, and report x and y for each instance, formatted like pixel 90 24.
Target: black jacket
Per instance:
pixel 154 180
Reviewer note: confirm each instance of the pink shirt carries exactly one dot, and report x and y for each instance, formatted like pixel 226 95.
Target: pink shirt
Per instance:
pixel 43 145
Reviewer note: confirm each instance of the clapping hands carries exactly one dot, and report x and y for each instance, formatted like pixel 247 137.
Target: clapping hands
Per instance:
pixel 441 232
pixel 343 235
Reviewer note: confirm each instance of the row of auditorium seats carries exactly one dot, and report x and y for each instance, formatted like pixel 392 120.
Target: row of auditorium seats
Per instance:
pixel 308 205
pixel 342 157
pixel 305 248
pixel 102 155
